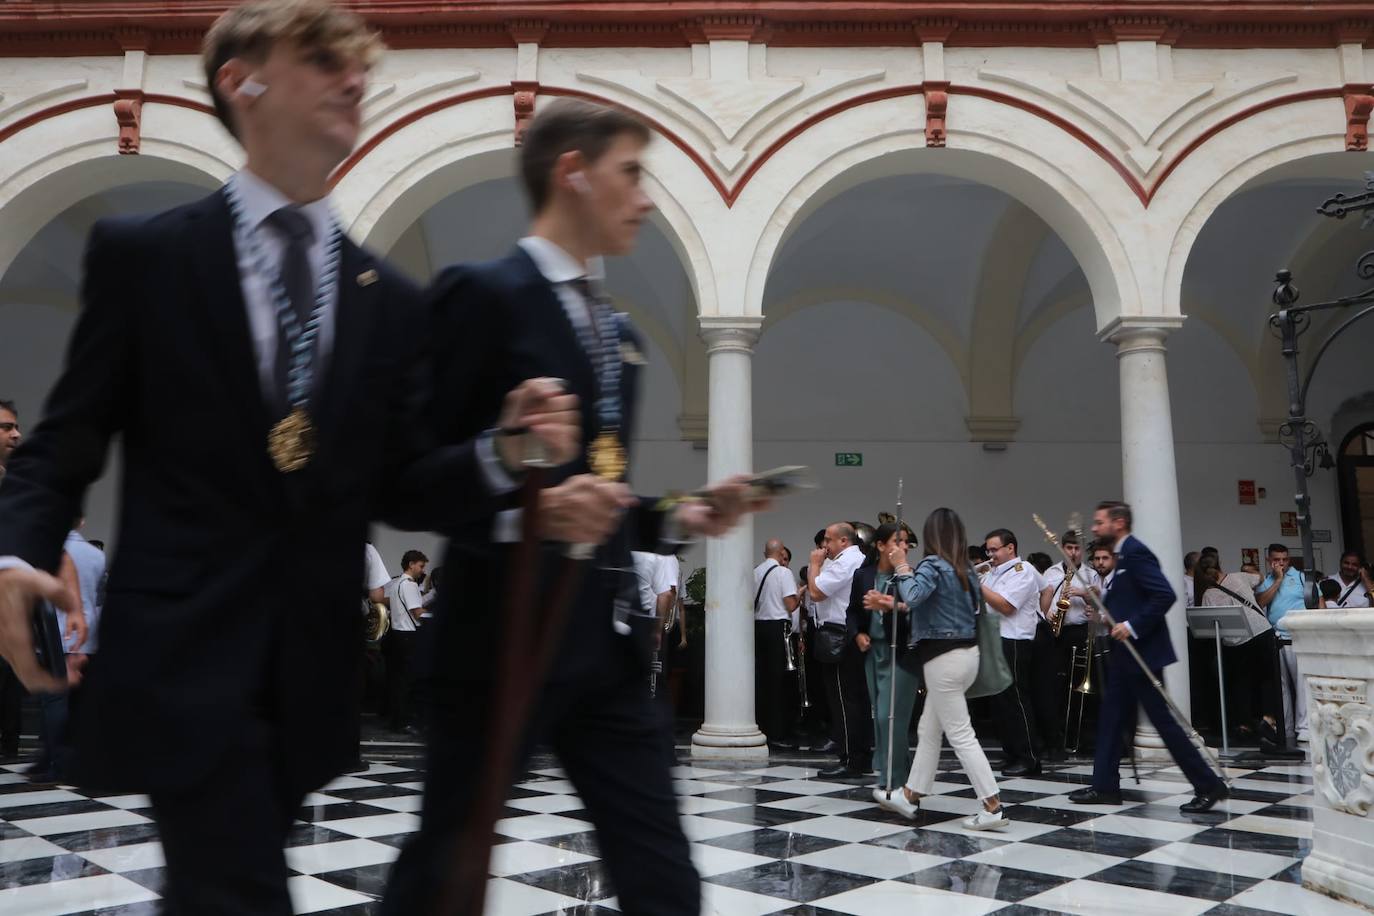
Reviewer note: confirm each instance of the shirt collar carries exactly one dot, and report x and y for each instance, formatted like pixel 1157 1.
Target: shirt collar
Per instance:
pixel 1117 548
pixel 557 265
pixel 259 200
pixel 75 536
pixel 850 551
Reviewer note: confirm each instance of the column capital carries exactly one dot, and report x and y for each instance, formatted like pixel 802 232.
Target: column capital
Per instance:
pixel 1140 332
pixel 730 332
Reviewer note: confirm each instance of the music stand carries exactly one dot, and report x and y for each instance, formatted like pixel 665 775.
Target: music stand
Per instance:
pixel 1232 625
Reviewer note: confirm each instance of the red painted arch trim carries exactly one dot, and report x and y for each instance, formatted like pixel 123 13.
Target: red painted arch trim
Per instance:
pixel 1276 102
pixel 94 101
pixel 410 118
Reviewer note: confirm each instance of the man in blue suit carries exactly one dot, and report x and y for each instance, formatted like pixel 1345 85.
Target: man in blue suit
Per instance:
pixel 1139 598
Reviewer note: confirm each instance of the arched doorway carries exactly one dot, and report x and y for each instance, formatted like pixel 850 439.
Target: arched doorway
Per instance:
pixel 1355 473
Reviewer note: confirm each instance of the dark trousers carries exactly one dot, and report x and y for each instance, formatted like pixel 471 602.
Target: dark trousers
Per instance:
pixel 611 740
pixel 11 704
pixel 1127 687
pixel 774 690
pixel 851 716
pixel 399 647
pixel 57 753
pixel 1252 684
pixel 1051 663
pixel 1015 708
pixel 223 839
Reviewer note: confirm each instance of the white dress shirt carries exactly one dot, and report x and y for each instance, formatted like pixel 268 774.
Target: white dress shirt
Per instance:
pixel 374 570
pixel 258 200
pixel 405 599
pixel 655 577
pixel 834 581
pixel 777 588
pixel 1358 596
pixel 1078 608
pixel 1019 583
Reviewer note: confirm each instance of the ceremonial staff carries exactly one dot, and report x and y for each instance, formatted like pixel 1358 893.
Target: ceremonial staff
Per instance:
pixel 1135 654
pixel 892 639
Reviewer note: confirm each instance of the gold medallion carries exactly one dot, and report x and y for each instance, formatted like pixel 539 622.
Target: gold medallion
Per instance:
pixel 607 457
pixel 291 443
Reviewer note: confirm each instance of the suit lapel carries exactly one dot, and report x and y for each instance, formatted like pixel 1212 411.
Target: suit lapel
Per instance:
pixel 545 301
pixel 353 317
pixel 220 291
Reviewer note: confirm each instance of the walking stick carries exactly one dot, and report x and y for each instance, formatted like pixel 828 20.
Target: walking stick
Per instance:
pixel 892 650
pixel 526 649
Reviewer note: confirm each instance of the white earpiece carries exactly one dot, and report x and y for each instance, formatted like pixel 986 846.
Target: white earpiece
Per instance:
pixel 579 183
pixel 251 87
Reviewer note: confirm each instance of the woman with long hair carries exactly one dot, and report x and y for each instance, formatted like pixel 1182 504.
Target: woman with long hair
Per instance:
pixel 876 634
pixel 941 595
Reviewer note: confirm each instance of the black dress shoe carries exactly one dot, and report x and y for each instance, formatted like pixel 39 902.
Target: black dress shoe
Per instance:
pixel 834 772
pixel 1206 800
pixel 1017 770
pixel 1090 796
pixel 829 747
pixel 781 746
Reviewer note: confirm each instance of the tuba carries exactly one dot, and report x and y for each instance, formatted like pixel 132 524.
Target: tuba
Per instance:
pixel 376 620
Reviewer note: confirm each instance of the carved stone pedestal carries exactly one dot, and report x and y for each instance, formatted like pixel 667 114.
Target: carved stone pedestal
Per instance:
pixel 1336 657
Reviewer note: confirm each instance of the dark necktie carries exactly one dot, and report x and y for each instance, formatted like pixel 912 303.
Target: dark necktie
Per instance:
pixel 296 280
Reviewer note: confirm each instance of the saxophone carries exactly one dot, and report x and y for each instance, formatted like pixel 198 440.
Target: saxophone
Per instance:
pixel 1060 611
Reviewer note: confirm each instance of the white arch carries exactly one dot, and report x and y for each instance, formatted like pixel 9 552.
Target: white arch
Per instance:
pixel 1021 173
pixel 34 195
pixel 474 142
pixel 1232 166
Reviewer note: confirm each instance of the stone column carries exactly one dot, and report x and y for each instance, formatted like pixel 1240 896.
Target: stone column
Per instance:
pixel 1336 659
pixel 730 729
pixel 1150 484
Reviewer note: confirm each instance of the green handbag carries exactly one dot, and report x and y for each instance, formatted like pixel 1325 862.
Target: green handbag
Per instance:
pixel 994 675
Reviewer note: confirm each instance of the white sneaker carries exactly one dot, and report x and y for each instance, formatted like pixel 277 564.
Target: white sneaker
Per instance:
pixel 986 820
pixel 898 803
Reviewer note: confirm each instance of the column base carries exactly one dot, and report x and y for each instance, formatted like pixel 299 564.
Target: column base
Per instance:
pixel 1344 880
pixel 1149 747
pixel 723 742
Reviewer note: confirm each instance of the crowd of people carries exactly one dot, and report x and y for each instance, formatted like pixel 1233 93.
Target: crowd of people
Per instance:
pixel 225 688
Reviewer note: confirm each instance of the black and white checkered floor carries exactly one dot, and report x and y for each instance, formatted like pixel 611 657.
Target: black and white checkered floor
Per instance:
pixel 766 839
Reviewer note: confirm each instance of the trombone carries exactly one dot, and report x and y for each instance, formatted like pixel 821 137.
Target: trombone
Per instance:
pixel 1082 662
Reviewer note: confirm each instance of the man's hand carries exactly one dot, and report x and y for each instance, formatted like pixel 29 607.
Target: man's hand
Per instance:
pixel 75 635
pixel 19 590
pixel 538 411
pixel 818 556
pixel 863 642
pixel 583 510
pixel 1121 632
pixel 724 503
pixel 875 600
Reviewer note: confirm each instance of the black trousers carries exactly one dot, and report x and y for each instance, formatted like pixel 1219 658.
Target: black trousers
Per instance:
pixel 1015 708
pixel 398 648
pixel 1252 687
pixel 851 715
pixel 612 742
pixel 1051 662
pixel 11 705
pixel 774 690
pixel 1127 688
pixel 223 840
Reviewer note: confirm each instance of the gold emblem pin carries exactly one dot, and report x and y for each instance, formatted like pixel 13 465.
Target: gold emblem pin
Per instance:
pixel 367 277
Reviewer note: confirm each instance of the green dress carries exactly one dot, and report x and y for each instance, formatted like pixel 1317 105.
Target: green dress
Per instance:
pixel 878 671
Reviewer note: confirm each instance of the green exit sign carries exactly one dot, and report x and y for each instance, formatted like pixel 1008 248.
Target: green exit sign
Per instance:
pixel 849 459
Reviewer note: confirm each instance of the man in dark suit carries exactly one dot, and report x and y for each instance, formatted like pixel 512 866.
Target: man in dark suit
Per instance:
pixel 1139 597
pixel 541 310
pixel 232 344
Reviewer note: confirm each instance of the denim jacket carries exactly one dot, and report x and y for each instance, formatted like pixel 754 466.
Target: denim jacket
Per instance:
pixel 939 606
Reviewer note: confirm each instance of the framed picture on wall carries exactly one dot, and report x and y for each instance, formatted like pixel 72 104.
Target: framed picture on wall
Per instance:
pixel 1288 524
pixel 1249 555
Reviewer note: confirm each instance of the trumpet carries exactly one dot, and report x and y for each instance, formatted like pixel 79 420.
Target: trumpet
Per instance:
pixel 789 651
